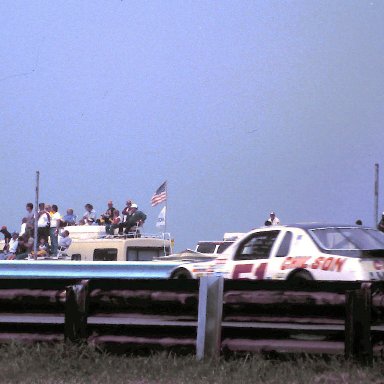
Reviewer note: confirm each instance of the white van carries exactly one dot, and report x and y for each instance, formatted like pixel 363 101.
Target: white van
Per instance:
pixel 89 243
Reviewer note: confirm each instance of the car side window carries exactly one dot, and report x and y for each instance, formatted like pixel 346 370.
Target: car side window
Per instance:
pixel 285 245
pixel 258 246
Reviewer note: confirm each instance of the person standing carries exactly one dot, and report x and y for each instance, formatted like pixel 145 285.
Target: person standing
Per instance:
pixel 54 228
pixel 30 216
pixel 273 219
pixel 43 222
pixel 380 226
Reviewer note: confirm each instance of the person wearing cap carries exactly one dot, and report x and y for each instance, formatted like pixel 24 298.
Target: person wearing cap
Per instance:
pixel 273 219
pixel 136 219
pixel 380 226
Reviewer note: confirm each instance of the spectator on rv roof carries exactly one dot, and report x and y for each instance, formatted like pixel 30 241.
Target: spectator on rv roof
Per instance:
pixel 64 241
pixel 30 216
pixel 21 251
pixel 54 229
pixel 135 219
pixel 30 244
pixel 125 210
pixel 116 219
pixel 273 219
pixel 106 217
pixel 70 218
pixel 43 222
pixel 43 247
pixel 13 244
pixel 23 226
pixel 89 216
pixel 380 226
pixel 7 237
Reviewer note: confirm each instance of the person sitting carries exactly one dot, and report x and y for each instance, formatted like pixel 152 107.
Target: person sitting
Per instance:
pixel 7 237
pixel 70 218
pixel 64 241
pixel 21 251
pixel 12 247
pixel 135 220
pixel 89 216
pixel 106 217
pixel 115 222
pixel 125 215
pixel 43 247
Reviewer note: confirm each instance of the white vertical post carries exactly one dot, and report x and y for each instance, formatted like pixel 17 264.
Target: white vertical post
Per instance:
pixel 209 317
pixel 376 209
pixel 36 214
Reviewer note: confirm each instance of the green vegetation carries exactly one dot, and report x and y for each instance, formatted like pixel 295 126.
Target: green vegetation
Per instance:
pixel 74 365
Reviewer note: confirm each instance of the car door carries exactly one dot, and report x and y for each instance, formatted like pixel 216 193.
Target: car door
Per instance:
pixel 252 257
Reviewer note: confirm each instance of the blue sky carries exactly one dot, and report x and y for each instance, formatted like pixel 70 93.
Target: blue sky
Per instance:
pixel 243 106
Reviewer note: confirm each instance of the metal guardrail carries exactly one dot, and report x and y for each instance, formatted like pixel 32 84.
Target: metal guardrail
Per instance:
pixel 62 269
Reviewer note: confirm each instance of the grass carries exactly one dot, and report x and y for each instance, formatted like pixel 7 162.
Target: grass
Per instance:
pixel 71 364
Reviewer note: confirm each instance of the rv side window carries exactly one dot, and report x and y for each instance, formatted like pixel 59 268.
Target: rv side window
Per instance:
pixel 222 247
pixel 144 254
pixel 105 254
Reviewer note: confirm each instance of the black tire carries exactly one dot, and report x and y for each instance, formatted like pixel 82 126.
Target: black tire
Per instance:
pixel 300 277
pixel 181 274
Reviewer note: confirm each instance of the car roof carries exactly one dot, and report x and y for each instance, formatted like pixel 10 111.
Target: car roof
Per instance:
pixel 308 226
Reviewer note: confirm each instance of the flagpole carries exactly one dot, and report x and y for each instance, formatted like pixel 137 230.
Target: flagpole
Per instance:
pixel 166 206
pixel 376 196
pixel 36 214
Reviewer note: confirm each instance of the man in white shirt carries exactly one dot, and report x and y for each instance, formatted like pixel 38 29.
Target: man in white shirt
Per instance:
pixel 89 216
pixel 43 223
pixel 54 229
pixel 13 244
pixel 273 220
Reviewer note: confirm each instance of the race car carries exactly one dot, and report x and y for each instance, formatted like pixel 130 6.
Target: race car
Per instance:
pixel 305 252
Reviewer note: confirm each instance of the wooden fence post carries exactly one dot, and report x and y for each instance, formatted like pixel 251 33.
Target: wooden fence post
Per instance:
pixel 76 312
pixel 210 311
pixel 358 345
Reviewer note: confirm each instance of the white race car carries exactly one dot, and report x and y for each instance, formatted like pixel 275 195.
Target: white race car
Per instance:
pixel 305 252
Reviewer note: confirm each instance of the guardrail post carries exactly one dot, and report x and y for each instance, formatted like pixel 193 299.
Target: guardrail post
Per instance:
pixel 209 317
pixel 76 311
pixel 358 345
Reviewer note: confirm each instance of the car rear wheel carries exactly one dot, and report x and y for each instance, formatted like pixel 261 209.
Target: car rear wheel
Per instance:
pixel 300 277
pixel 181 274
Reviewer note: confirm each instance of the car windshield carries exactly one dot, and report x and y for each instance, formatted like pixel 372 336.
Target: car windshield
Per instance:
pixel 348 238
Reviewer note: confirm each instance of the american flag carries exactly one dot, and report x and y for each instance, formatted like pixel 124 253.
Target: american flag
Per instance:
pixel 160 195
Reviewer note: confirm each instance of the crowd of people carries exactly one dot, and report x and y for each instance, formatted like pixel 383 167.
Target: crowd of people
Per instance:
pixel 53 232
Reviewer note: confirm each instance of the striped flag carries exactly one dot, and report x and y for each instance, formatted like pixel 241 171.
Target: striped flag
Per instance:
pixel 160 195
